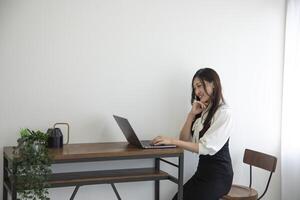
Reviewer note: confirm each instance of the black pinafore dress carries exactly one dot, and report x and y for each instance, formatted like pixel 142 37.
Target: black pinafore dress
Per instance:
pixel 212 179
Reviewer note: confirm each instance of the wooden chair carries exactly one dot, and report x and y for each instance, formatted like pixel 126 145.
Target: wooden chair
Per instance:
pixel 257 159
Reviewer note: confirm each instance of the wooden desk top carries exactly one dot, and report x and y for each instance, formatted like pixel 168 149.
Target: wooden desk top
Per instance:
pixel 102 151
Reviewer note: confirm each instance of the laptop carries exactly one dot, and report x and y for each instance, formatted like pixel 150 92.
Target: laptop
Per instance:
pixel 132 137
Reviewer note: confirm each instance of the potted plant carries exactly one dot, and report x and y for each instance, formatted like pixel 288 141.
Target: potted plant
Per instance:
pixel 32 165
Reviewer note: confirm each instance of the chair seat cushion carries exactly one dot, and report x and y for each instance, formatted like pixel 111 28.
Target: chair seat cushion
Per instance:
pixel 239 192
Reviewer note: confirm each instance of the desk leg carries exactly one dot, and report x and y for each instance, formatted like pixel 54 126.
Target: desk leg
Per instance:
pixel 4 193
pixel 74 192
pixel 14 194
pixel 156 187
pixel 116 191
pixel 180 177
pixel 5 177
pixel 13 188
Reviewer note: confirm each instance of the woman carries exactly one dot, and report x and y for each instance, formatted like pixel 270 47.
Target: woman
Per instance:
pixel 206 132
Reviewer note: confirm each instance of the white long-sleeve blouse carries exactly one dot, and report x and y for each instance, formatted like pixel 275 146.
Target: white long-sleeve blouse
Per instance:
pixel 217 134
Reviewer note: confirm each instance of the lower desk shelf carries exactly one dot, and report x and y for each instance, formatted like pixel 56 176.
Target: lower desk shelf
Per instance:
pixel 107 176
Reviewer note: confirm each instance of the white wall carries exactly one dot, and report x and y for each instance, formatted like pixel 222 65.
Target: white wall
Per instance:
pixel 82 61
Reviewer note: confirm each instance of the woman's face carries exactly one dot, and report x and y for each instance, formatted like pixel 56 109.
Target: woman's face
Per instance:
pixel 200 91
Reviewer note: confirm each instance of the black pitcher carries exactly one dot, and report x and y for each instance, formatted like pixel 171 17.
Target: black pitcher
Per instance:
pixel 55 136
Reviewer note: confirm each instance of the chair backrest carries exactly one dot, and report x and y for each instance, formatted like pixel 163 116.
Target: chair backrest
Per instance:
pixel 260 160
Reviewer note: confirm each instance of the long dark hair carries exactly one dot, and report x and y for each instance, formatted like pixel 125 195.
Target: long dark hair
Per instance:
pixel 216 98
